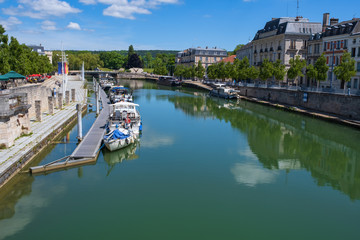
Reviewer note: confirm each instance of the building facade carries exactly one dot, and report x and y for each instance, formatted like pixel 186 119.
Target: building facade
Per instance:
pixel 354 47
pixel 245 51
pixel 207 56
pixel 283 39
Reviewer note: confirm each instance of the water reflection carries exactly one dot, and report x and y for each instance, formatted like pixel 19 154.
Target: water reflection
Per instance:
pixel 251 174
pixel 113 158
pixel 282 140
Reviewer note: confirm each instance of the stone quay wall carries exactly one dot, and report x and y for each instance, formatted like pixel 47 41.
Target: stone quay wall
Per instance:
pixel 343 105
pixel 36 92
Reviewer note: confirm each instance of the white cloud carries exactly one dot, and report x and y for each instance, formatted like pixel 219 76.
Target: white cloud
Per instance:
pixel 88 2
pixel 73 26
pixel 10 23
pixel 48 25
pixel 251 174
pixel 41 9
pixel 126 9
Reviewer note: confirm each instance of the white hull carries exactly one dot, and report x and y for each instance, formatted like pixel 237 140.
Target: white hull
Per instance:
pixel 116 144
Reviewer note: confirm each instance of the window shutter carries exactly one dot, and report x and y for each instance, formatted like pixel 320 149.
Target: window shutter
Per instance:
pixel 327 60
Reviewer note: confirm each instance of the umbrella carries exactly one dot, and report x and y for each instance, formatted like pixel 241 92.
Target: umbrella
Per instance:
pixel 14 75
pixel 3 78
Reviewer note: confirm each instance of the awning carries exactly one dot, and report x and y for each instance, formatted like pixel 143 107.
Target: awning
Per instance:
pixel 14 75
pixel 3 78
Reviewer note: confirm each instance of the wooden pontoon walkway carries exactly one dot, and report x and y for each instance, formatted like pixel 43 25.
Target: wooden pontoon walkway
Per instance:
pixel 88 149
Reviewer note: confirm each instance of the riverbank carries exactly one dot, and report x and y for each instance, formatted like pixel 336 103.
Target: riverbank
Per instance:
pixel 13 159
pixel 331 117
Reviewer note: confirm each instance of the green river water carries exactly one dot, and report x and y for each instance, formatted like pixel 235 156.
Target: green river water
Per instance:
pixel 204 168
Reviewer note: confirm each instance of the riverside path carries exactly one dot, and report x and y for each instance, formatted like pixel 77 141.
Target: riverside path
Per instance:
pixel 13 159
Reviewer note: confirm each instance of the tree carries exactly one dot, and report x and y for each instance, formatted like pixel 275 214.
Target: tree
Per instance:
pixel 311 73
pixel 134 62
pixel 296 67
pixel 148 59
pixel 266 70
pixel 237 48
pixel 200 70
pixel 211 72
pixel 229 70
pixel 346 69
pixel 4 52
pixel 279 70
pixel 131 51
pixel 179 71
pixel 159 67
pixel 253 73
pixel 321 69
pixel 242 69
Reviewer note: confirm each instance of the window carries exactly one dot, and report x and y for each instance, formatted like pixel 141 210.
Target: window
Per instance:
pixel 338 45
pixel 310 49
pixel 358 66
pixel 358 52
pixel 355 83
pixel 279 56
pixel 206 59
pixel 345 44
pixel 325 43
pixel 353 52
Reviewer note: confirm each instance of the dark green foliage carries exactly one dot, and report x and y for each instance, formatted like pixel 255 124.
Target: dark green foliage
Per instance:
pixel 134 62
pixel 20 58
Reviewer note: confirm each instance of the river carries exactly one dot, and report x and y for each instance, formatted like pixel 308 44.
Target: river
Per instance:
pixel 204 168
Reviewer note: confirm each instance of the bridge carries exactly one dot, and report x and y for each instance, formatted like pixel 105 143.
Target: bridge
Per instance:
pixel 117 74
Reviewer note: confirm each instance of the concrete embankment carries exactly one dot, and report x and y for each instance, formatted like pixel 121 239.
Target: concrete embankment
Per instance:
pixel 13 159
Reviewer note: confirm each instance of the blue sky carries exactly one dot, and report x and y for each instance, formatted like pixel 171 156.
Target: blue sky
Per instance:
pixel 153 24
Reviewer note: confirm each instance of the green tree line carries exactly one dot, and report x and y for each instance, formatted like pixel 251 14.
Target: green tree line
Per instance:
pixel 20 58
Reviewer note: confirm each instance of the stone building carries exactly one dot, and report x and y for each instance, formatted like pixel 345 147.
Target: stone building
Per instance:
pixel 354 47
pixel 14 117
pixel 336 39
pixel 283 39
pixel 245 51
pixel 207 56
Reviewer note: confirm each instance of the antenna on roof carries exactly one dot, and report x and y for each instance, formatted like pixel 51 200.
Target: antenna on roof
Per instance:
pixel 297 9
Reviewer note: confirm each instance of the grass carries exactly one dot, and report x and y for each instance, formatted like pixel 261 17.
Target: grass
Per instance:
pixel 149 70
pixel 106 69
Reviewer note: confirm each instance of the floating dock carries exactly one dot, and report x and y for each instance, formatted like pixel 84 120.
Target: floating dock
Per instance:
pixel 88 149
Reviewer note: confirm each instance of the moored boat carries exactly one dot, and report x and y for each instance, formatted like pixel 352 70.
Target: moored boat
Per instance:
pixel 224 92
pixel 126 115
pixel 120 93
pixel 119 138
pixel 169 81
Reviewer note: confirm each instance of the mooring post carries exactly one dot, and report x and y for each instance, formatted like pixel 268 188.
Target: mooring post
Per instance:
pixel 38 110
pixel 51 105
pixel 67 97
pixel 79 116
pixel 73 94
pixel 60 102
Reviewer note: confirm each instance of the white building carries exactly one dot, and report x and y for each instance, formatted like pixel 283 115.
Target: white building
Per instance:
pixel 354 49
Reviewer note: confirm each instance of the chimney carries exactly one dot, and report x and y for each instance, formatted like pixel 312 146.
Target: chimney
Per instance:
pixel 334 21
pixel 326 20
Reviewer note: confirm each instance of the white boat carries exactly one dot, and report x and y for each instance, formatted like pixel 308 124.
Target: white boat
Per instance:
pixel 119 138
pixel 125 115
pixel 224 92
pixel 120 93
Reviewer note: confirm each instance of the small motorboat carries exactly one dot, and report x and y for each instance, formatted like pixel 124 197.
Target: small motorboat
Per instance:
pixel 119 138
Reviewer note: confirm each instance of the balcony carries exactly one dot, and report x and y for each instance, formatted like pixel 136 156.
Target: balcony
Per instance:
pixel 292 47
pixel 255 52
